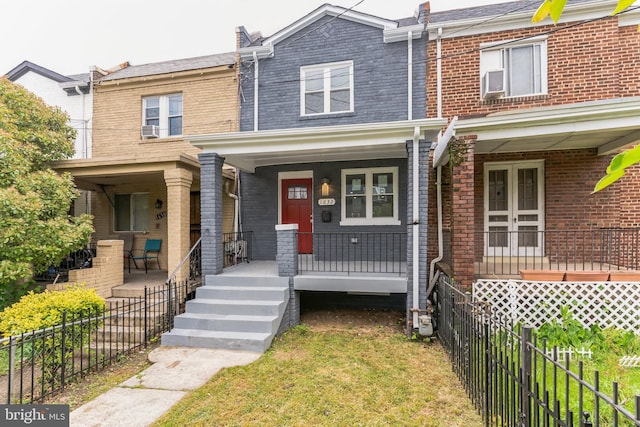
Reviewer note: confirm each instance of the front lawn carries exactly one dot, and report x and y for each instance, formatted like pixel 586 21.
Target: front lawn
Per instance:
pixel 358 375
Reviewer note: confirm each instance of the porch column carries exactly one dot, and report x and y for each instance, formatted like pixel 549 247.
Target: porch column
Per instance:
pixel 287 257
pixel 178 206
pixel 211 212
pixel 462 217
pixel 417 225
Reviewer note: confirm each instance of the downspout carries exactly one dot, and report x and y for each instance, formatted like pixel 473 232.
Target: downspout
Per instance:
pixel 410 75
pixel 439 70
pixel 433 277
pixel 235 208
pixel 84 124
pixel 256 74
pixel 416 227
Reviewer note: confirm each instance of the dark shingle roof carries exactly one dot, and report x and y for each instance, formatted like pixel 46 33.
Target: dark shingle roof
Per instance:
pixel 173 66
pixel 489 10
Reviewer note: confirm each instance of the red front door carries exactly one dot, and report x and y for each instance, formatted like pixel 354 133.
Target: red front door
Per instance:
pixel 297 209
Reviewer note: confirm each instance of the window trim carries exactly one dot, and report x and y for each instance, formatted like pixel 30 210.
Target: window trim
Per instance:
pixel 163 115
pixel 501 46
pixel 369 219
pixel 131 212
pixel 326 87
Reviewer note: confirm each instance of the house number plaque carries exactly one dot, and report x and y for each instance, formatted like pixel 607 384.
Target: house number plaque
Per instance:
pixel 326 202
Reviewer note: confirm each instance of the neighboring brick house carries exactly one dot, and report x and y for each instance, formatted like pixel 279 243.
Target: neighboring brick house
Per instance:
pixel 332 128
pixel 143 176
pixel 541 109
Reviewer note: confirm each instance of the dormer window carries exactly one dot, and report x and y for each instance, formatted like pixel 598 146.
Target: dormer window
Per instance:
pixel 326 88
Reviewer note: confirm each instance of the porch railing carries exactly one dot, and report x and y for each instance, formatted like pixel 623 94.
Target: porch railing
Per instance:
pixel 237 247
pixel 508 252
pixel 82 258
pixel 383 253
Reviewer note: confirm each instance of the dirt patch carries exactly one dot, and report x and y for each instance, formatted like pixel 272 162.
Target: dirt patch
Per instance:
pixel 354 319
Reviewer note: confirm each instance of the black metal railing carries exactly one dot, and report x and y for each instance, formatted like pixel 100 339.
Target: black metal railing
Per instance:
pixel 40 363
pixel 194 258
pixel 353 253
pixel 508 252
pixel 82 258
pixel 511 377
pixel 237 247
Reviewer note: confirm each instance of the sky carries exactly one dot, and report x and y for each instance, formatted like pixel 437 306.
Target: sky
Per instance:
pixel 70 36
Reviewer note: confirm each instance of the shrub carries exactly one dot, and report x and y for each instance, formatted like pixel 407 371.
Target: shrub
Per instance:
pixel 36 311
pixel 61 313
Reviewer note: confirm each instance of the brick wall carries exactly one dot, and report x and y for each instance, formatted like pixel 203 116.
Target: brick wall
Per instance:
pixel 106 273
pixel 593 61
pixel 209 100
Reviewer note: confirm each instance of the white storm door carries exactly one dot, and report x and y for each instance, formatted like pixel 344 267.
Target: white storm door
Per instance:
pixel 514 209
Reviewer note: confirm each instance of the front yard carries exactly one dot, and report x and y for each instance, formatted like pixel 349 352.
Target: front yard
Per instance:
pixel 338 368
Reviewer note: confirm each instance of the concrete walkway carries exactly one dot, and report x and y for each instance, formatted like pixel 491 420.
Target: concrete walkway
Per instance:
pixel 142 399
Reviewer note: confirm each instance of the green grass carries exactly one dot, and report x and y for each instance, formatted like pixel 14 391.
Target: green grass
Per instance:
pixel 352 377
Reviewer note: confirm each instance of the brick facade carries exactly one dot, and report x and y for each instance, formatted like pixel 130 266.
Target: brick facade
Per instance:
pixel 594 61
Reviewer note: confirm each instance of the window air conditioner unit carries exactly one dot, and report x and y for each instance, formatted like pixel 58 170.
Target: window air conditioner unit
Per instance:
pixel 150 131
pixel 493 84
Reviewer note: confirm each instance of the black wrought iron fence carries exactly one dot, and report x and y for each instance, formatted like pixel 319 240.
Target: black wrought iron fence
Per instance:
pixel 37 364
pixel 514 380
pixel 505 252
pixel 353 252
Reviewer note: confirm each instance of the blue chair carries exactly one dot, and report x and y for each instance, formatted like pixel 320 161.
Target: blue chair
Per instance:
pixel 151 252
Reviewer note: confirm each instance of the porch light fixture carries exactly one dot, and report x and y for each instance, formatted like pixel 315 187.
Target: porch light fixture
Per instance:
pixel 158 204
pixel 325 187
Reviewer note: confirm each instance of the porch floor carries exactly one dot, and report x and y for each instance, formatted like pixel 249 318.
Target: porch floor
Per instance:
pixel 356 282
pixel 510 269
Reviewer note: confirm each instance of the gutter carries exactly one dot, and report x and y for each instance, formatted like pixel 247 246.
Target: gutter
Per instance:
pixel 256 74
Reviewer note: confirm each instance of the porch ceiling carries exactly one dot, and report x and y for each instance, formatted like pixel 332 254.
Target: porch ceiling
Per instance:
pixel 248 150
pixel 606 125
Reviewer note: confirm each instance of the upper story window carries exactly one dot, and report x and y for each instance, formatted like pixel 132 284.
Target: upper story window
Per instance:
pixel 370 196
pixel 326 88
pixel 165 112
pixel 514 69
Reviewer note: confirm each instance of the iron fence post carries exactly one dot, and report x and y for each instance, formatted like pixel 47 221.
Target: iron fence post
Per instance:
pixel 12 368
pixel 525 340
pixel 146 315
pixel 63 336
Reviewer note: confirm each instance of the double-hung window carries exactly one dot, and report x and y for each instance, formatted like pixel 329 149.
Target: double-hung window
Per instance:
pixel 523 63
pixel 370 196
pixel 326 88
pixel 131 212
pixel 165 112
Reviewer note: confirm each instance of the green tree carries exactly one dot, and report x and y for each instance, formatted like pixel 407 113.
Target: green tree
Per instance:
pixel 618 165
pixel 36 230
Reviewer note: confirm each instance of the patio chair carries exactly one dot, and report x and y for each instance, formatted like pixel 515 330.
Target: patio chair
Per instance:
pixel 128 250
pixel 151 252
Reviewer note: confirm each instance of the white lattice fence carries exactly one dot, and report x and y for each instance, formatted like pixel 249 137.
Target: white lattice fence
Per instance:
pixel 534 303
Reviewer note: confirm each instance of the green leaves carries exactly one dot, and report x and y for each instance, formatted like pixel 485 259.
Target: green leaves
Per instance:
pixel 617 167
pixel 35 228
pixel 554 9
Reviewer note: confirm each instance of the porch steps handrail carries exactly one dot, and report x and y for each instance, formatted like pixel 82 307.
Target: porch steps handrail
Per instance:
pixel 172 276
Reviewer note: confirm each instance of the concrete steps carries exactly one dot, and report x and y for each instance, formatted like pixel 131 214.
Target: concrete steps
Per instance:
pixel 232 312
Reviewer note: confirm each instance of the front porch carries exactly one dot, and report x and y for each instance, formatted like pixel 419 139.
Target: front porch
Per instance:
pixel 505 254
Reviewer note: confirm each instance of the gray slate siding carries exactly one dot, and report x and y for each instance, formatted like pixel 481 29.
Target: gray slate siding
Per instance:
pixel 260 202
pixel 380 76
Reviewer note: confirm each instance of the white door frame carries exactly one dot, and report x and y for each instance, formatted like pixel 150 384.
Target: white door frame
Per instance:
pixel 512 219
